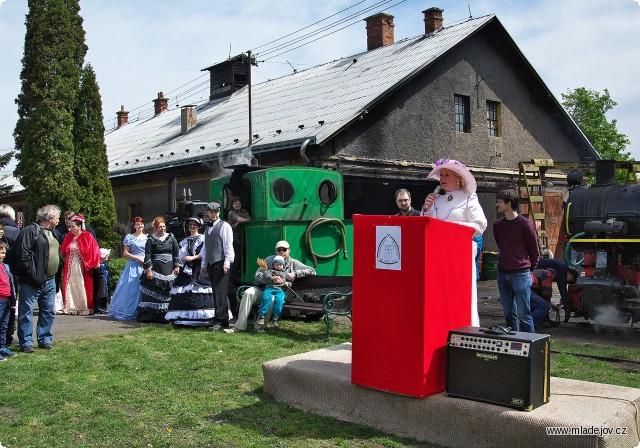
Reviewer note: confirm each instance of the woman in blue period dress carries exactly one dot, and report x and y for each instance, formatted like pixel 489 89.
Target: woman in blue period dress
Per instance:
pixel 126 297
pixel 460 205
pixel 161 266
pixel 191 296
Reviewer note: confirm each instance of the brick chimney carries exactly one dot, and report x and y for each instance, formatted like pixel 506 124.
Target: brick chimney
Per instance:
pixel 123 117
pixel 161 103
pixel 379 30
pixel 432 20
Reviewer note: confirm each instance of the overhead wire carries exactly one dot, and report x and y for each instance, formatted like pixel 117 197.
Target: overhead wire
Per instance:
pixel 307 26
pixel 191 92
pixel 326 27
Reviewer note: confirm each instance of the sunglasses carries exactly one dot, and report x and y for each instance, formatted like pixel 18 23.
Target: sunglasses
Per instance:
pixel 281 249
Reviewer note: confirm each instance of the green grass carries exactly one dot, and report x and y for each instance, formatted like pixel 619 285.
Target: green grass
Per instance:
pixel 164 387
pixel 620 373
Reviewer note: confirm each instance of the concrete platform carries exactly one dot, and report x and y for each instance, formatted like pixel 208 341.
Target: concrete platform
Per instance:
pixel 320 382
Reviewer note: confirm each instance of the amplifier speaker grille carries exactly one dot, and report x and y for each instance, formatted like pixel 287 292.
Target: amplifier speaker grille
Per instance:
pixel 519 381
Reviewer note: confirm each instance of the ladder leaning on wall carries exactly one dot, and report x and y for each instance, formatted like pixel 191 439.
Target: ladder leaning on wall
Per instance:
pixel 531 191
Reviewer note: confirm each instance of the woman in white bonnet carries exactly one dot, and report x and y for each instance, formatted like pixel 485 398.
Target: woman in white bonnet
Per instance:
pixel 460 205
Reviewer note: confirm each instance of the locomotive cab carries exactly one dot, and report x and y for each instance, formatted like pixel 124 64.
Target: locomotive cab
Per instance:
pixel 302 205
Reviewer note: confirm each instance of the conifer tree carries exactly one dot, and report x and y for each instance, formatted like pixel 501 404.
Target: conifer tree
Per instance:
pixel 4 160
pixel 90 163
pixel 54 51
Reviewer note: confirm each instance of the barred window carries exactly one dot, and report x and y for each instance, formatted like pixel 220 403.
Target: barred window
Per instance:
pixel 493 118
pixel 462 111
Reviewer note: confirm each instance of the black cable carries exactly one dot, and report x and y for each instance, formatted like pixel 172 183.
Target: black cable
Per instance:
pixel 110 123
pixel 305 27
pixel 327 27
pixel 325 35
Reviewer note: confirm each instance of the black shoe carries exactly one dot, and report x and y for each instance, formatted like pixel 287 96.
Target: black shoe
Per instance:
pixel 45 346
pixel 27 349
pixel 548 323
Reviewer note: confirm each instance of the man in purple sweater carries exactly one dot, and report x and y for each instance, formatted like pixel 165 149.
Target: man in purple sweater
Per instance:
pixel 518 245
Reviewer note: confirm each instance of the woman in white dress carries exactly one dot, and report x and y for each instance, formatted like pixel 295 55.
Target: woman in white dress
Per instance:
pixel 126 297
pixel 460 205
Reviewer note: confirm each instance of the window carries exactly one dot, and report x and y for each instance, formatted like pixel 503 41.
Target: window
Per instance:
pixel 282 191
pixel 327 192
pixel 134 210
pixel 493 118
pixel 463 117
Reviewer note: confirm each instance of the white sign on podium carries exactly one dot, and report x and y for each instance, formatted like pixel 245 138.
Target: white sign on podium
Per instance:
pixel 388 248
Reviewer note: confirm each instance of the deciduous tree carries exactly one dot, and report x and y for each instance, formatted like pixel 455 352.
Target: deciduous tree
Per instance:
pixel 588 109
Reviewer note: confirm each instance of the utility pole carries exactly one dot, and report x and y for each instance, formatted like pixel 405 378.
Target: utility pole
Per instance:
pixel 250 61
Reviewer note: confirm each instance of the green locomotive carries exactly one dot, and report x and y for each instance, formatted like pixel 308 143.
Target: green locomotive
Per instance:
pixel 303 206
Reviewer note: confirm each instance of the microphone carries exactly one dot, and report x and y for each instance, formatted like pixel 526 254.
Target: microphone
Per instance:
pixel 435 191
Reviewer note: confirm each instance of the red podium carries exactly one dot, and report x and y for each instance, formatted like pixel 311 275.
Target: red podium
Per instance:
pixel 411 285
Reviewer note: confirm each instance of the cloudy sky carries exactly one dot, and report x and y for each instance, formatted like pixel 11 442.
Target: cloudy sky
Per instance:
pixel 141 47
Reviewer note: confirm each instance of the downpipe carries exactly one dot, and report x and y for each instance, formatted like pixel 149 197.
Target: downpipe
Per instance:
pixel 303 151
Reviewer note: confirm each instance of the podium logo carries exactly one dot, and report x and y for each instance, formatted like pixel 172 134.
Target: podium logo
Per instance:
pixel 388 251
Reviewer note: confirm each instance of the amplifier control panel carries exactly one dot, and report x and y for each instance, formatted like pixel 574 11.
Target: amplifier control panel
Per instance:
pixel 490 345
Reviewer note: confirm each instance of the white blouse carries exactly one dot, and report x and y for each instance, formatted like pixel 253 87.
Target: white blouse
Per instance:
pixel 460 208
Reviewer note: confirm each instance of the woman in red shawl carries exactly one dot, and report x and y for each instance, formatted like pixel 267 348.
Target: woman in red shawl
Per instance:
pixel 81 255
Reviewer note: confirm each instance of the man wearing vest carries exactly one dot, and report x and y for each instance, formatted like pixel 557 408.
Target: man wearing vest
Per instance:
pixel 217 255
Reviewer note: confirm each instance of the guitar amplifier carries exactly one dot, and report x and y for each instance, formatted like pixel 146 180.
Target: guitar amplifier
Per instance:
pixel 504 369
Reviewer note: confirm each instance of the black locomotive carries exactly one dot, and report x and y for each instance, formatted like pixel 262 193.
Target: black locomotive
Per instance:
pixel 187 208
pixel 602 223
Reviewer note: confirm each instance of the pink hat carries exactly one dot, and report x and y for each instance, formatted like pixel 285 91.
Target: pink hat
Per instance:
pixel 470 185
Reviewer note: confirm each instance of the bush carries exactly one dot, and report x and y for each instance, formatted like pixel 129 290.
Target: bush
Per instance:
pixel 116 266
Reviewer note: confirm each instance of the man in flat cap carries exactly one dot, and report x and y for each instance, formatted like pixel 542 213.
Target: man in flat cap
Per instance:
pixel 217 255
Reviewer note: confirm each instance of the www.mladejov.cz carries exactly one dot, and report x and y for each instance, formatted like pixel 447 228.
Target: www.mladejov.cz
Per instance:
pixel 585 431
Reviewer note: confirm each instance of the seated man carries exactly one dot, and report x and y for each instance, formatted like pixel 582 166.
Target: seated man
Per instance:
pixel 252 296
pixel 564 275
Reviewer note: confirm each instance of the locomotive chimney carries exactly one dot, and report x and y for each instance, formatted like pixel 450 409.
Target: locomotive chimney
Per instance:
pixel 605 172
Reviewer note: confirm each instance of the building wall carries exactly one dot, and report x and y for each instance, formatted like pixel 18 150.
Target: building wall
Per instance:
pixel 151 199
pixel 417 122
